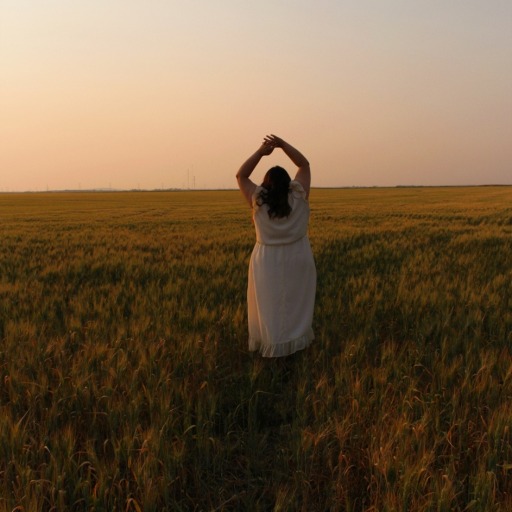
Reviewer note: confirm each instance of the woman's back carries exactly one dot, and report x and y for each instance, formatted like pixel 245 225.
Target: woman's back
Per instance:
pixel 284 230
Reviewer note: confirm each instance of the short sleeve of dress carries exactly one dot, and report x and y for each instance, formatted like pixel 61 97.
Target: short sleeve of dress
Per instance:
pixel 255 195
pixel 297 189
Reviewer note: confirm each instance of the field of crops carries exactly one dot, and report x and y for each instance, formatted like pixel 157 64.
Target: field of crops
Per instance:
pixel 126 384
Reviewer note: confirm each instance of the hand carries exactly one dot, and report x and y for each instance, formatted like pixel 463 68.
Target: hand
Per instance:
pixel 274 141
pixel 266 148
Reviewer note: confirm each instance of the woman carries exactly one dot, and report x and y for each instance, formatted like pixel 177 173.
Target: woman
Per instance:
pixel 282 274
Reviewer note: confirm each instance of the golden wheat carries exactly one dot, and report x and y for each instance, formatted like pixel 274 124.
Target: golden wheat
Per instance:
pixel 125 381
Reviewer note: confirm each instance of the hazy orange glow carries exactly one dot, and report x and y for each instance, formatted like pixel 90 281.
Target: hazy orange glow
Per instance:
pixel 126 94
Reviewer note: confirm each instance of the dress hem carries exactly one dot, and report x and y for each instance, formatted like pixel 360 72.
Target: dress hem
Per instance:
pixel 281 349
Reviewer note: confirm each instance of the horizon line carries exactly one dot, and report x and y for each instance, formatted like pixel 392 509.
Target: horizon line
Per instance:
pixel 219 189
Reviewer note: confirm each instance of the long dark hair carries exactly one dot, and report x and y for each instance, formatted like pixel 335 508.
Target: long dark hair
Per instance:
pixel 274 193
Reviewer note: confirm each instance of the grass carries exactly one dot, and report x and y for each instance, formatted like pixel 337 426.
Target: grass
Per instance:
pixel 125 381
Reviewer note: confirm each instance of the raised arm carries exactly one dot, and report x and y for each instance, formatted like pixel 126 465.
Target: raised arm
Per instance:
pixel 247 187
pixel 303 175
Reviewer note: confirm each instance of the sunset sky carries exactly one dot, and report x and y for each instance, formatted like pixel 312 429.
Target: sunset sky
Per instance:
pixel 178 93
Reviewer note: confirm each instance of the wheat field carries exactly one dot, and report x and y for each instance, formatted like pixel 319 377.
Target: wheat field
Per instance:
pixel 126 384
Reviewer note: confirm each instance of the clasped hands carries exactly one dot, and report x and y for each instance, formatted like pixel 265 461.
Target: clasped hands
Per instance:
pixel 270 142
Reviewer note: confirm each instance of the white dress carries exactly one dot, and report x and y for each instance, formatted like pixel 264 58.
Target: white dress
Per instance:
pixel 282 279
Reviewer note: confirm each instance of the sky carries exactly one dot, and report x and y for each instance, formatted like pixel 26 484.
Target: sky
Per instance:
pixel 178 93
